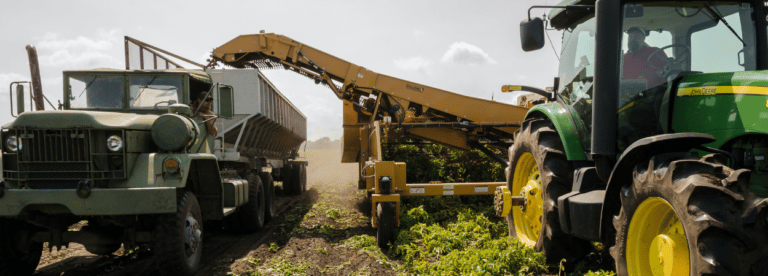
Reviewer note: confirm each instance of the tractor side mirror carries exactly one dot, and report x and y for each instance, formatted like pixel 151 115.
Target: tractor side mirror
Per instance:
pixel 19 99
pixel 226 101
pixel 532 34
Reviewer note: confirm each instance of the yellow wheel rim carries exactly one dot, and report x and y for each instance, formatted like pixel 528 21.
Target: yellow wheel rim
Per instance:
pixel 527 183
pixel 656 242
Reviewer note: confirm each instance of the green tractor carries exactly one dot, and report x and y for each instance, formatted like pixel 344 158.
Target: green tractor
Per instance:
pixel 655 142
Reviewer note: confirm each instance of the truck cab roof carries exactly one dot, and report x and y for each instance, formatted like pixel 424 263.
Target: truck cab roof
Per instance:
pixel 197 75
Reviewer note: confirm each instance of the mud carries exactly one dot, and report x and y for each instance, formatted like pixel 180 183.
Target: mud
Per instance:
pixel 307 236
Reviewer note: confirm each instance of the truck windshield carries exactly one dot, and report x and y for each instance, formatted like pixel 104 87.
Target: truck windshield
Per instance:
pixel 101 92
pixel 154 92
pixel 663 40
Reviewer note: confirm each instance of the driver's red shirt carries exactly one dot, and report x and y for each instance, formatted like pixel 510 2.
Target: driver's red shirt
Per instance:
pixel 636 65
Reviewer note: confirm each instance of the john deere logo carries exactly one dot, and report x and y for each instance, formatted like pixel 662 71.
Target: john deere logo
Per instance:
pixel 414 88
pixel 704 91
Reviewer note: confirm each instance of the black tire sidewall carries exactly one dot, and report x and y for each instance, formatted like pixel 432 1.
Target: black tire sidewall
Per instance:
pixel 169 240
pixel 385 230
pixel 538 137
pixel 13 261
pixel 269 187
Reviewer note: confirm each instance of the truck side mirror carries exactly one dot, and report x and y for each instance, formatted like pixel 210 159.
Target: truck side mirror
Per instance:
pixel 19 99
pixel 226 101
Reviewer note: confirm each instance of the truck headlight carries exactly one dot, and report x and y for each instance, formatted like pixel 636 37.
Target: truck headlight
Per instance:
pixel 114 143
pixel 13 143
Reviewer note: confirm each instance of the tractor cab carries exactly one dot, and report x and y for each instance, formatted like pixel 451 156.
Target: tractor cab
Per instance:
pixel 658 127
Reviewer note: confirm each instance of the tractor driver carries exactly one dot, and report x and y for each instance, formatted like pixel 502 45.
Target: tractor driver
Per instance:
pixel 636 59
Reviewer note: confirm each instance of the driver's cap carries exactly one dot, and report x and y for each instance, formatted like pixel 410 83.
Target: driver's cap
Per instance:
pixel 635 29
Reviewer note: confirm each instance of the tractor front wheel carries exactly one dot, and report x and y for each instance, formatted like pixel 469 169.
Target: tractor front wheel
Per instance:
pixel 684 216
pixel 540 172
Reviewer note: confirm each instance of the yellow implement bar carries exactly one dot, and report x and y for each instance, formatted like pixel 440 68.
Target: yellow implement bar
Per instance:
pixel 480 188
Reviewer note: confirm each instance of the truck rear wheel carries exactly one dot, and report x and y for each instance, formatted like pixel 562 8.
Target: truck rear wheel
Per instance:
pixel 690 217
pixel 385 230
pixel 289 178
pixel 540 172
pixel 269 188
pixel 302 178
pixel 179 238
pixel 17 258
pixel 251 215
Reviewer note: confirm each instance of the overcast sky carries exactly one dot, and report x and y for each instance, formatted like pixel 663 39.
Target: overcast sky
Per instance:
pixel 467 47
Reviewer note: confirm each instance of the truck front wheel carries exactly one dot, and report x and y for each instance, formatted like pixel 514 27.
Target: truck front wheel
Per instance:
pixel 17 257
pixel 540 172
pixel 179 238
pixel 690 217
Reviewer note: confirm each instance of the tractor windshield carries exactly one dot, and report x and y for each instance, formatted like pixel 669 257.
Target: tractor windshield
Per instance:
pixel 663 40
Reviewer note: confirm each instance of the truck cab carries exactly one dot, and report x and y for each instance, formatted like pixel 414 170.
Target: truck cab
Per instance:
pixel 132 153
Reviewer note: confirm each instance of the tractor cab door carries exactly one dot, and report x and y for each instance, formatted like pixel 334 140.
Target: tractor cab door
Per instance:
pixel 577 73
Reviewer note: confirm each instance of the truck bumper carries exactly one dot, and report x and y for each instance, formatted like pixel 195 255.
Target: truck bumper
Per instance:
pixel 101 202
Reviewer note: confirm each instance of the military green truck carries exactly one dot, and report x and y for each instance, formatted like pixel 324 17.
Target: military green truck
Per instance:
pixel 128 152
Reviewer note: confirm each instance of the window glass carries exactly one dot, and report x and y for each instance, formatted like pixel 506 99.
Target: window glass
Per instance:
pixel 154 92
pixel 577 69
pixel 96 92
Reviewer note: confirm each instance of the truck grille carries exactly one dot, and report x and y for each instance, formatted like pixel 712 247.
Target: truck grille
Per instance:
pixel 63 155
pixel 54 146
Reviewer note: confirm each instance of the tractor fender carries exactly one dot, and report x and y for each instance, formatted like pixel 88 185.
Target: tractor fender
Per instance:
pixel 564 123
pixel 640 152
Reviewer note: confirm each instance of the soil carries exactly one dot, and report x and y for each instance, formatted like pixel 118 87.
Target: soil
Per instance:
pixel 306 237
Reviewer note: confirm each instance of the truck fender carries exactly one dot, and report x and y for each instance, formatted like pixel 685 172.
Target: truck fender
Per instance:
pixel 565 126
pixel 640 152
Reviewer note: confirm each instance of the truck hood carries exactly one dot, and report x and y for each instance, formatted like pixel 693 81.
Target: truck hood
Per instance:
pixel 58 119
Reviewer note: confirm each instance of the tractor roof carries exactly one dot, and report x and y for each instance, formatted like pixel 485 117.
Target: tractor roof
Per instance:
pixel 560 18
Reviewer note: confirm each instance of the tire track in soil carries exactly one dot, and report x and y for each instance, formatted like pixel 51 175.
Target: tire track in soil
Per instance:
pixel 329 181
pixel 77 261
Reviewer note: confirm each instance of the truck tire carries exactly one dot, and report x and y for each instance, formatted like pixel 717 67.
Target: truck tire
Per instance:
pixel 302 178
pixel 385 230
pixel 540 171
pixel 288 179
pixel 178 242
pixel 269 188
pixel 251 215
pixel 15 260
pixel 690 217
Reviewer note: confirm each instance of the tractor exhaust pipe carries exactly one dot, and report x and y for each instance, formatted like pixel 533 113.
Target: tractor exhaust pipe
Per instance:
pixel 34 71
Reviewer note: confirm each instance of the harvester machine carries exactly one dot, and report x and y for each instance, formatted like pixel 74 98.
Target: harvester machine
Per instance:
pixel 379 108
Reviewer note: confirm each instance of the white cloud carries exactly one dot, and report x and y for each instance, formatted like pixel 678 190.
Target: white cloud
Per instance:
pixel 88 59
pixel 81 51
pixel 413 64
pixel 418 33
pixel 467 54
pixel 104 40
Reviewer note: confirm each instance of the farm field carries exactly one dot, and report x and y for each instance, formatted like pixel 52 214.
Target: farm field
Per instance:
pixel 327 231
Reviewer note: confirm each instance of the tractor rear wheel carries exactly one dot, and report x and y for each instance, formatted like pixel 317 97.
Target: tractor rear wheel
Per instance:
pixel 684 216
pixel 540 172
